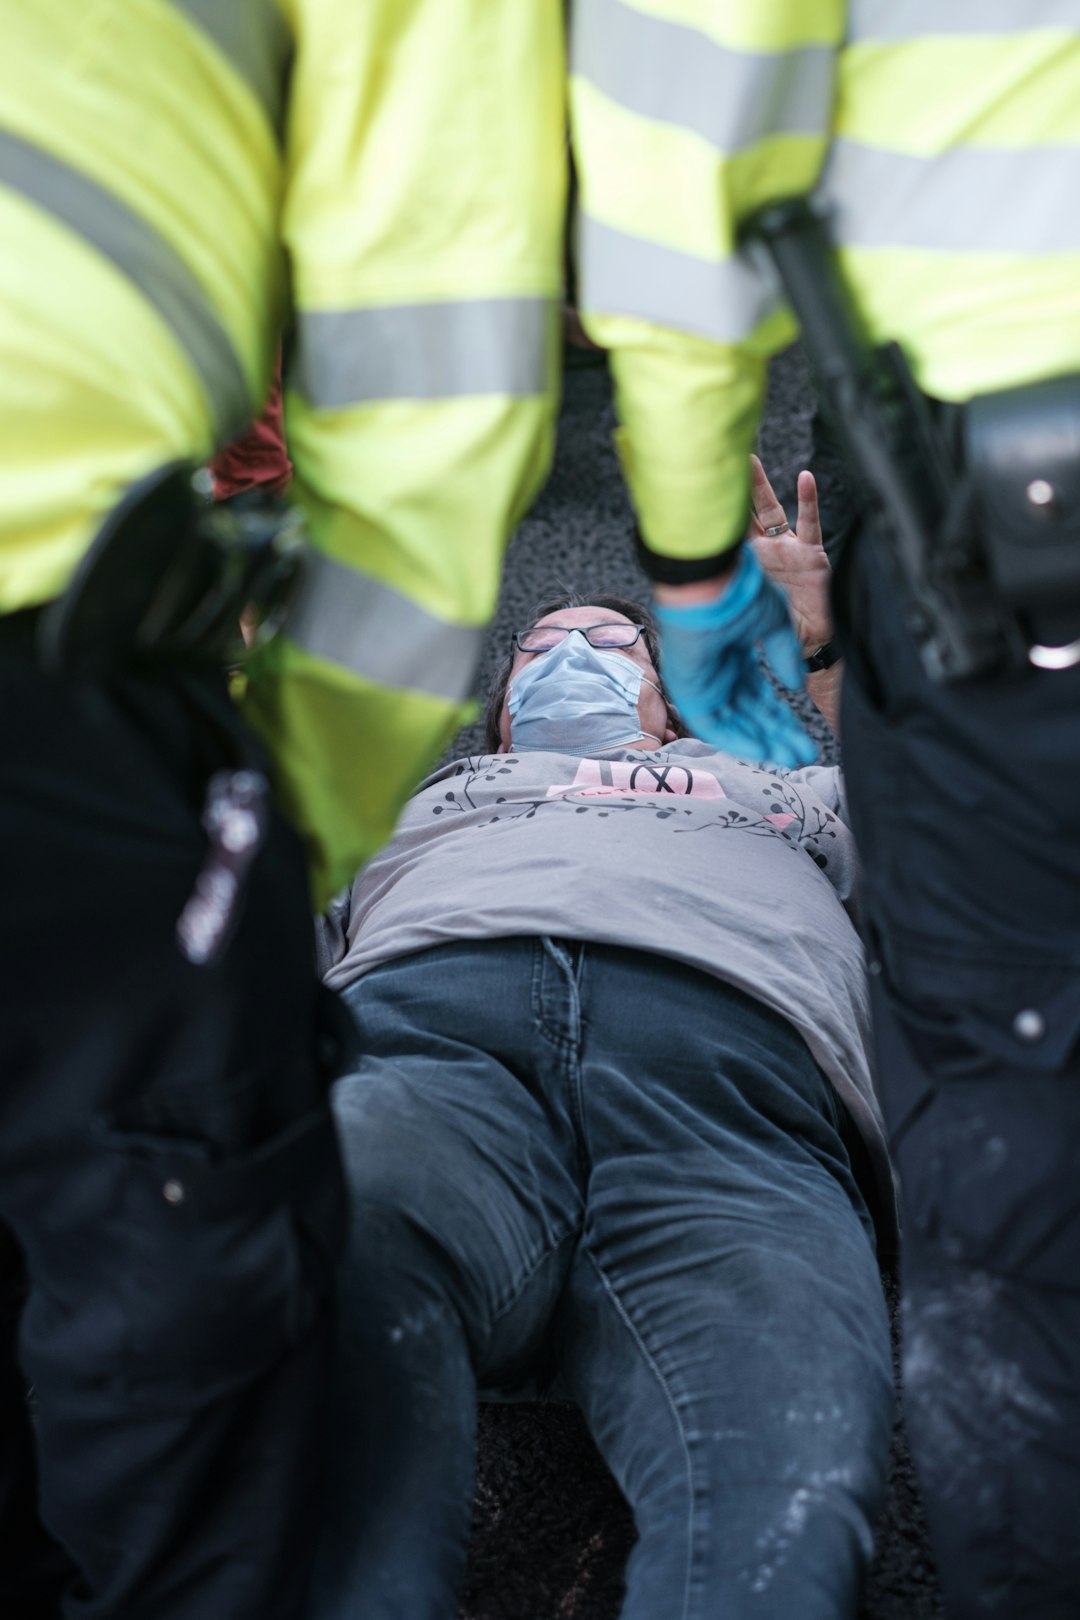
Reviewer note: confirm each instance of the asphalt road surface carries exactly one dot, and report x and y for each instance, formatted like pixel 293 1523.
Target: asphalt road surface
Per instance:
pixel 551 1531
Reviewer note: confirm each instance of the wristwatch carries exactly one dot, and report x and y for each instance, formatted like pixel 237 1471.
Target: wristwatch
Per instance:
pixel 825 657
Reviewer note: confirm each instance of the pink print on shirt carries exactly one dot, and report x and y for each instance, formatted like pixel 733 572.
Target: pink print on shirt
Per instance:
pixel 624 778
pixel 599 777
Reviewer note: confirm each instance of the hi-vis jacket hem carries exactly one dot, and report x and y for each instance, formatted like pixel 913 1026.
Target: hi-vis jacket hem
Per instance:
pixel 677 75
pixel 439 350
pixel 376 633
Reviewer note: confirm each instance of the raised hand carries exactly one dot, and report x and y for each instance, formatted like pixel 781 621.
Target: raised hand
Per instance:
pixel 795 559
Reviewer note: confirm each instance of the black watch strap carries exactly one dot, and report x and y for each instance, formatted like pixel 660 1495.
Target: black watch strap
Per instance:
pixel 825 657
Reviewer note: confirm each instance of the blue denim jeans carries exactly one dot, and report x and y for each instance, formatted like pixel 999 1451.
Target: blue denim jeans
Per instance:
pixel 601 1157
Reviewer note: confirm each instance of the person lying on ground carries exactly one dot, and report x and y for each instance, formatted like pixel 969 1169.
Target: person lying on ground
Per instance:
pixel 613 1117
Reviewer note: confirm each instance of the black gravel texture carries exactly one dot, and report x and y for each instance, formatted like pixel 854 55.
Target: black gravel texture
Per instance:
pixel 551 1530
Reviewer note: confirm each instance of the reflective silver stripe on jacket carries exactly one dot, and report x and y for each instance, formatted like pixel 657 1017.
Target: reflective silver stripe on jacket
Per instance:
pixel 255 37
pixel 624 275
pixel 136 249
pixel 425 351
pixel 968 200
pixel 871 20
pixel 676 75
pixel 381 635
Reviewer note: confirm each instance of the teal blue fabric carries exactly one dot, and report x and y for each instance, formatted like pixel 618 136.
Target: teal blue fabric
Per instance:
pixel 714 674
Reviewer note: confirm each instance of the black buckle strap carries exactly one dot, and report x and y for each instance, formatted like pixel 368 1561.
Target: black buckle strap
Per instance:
pixel 166 581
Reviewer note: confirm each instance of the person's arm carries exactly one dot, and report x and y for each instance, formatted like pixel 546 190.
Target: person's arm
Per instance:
pixel 824 688
pixel 682 129
pixel 423 222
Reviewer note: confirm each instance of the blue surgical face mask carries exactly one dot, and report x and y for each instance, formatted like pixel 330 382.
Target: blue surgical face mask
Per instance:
pixel 576 699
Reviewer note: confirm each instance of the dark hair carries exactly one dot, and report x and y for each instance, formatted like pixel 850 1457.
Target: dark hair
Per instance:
pixel 636 612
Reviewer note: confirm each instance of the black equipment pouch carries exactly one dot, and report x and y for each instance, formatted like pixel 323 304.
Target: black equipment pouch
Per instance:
pixel 166 580
pixel 980 524
pixel 164 584
pixel 1022 456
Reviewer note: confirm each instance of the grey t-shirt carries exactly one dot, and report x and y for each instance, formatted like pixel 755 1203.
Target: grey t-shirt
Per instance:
pixel 745 871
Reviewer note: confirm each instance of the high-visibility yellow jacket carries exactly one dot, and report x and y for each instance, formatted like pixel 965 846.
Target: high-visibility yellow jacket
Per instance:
pixel 945 138
pixel 180 178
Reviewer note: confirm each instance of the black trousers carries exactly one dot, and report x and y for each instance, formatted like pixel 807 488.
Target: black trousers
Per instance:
pixel 966 804
pixel 170 1195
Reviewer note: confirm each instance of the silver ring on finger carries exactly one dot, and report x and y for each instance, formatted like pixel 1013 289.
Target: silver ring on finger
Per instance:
pixel 778 528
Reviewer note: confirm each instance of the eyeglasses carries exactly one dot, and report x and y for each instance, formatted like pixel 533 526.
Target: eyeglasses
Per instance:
pixel 542 637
